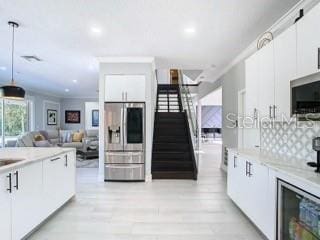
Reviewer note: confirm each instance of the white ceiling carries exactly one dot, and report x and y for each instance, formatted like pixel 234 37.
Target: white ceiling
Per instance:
pixel 59 32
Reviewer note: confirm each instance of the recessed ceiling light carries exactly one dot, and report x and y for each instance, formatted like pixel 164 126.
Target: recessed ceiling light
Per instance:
pixel 3 68
pixel 67 90
pixel 190 30
pixel 74 80
pixel 96 30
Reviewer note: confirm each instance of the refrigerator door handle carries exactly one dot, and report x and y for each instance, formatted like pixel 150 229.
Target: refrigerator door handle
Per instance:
pixel 124 126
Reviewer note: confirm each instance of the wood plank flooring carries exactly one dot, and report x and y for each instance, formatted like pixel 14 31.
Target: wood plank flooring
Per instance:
pixel 161 210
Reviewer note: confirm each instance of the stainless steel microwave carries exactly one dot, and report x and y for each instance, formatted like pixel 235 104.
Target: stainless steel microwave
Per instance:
pixel 305 98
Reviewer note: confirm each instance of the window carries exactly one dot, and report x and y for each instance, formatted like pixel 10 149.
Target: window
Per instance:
pixel 14 120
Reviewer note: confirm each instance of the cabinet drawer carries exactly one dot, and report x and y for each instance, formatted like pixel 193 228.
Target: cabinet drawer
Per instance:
pixel 124 157
pixel 124 172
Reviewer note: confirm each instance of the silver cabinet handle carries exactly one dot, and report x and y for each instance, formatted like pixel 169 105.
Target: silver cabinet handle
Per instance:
pixel 17 180
pixel 255 116
pixel 318 58
pixel 10 183
pixel 270 111
pixel 126 96
pixel 55 159
pixel 274 111
pixel 234 161
pixel 250 165
pixel 122 95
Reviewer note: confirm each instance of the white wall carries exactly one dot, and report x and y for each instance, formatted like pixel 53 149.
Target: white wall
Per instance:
pixel 89 106
pixel 76 104
pixel 163 76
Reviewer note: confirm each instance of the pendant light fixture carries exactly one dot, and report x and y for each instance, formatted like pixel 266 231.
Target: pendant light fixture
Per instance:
pixel 12 91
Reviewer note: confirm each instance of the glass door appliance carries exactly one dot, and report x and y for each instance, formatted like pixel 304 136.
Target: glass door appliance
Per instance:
pixel 124 141
pixel 298 213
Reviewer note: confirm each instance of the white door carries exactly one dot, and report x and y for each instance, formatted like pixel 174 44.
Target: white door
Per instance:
pixel 285 55
pixel 27 199
pixel 135 90
pixel 5 207
pixel 252 85
pixel 266 84
pixel 114 88
pixel 308 42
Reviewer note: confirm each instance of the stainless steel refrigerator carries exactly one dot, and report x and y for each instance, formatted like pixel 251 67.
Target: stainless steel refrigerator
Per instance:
pixel 124 141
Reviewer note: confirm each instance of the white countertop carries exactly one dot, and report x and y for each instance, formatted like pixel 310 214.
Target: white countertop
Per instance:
pixel 294 168
pixel 28 155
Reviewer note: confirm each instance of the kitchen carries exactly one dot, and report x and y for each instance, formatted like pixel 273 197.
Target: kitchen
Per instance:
pixel 278 161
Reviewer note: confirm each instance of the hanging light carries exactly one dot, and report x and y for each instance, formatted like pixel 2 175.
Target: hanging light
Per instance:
pixel 12 91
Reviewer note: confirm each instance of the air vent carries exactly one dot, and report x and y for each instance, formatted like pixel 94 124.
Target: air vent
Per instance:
pixel 32 58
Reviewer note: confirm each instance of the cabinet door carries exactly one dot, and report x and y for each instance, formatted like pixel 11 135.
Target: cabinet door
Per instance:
pixel 308 40
pixel 252 85
pixel 54 185
pixel 135 90
pixel 114 88
pixel 242 184
pixel 70 175
pixel 27 199
pixel 285 56
pixel 257 196
pixel 266 84
pixel 232 176
pixel 5 207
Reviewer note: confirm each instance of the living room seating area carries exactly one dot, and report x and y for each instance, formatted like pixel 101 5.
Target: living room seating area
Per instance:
pixel 80 139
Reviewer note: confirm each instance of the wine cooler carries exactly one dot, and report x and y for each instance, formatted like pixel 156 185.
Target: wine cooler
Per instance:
pixel 298 214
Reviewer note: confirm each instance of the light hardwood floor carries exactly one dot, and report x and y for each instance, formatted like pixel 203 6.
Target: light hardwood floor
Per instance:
pixel 161 210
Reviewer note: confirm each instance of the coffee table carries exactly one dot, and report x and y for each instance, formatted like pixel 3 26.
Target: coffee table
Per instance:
pixel 88 153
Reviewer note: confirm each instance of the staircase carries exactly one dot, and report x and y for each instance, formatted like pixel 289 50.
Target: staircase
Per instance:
pixel 172 155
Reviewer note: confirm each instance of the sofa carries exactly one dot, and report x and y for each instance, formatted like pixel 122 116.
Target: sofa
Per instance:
pixel 57 138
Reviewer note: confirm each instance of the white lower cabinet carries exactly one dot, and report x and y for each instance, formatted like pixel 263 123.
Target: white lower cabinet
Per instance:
pixel 5 206
pixel 27 201
pixel 248 188
pixel 30 194
pixel 53 183
pixel 58 181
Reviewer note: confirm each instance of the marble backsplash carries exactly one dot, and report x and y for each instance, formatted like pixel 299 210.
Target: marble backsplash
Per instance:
pixel 290 139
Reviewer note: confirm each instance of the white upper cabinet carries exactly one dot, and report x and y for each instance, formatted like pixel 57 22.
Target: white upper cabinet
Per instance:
pixel 285 58
pixel 5 206
pixel 266 83
pixel 308 43
pixel 252 85
pixel 125 88
pixel 114 88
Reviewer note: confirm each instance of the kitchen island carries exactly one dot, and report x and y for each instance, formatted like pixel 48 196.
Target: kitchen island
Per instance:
pixel 34 183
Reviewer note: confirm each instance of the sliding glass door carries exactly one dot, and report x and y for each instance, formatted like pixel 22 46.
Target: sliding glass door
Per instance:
pixel 14 120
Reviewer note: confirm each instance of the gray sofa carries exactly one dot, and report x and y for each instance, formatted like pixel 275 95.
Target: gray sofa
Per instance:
pixel 90 140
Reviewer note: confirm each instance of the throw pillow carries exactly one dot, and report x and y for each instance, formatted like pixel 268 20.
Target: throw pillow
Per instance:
pixel 44 143
pixel 38 137
pixel 68 137
pixel 45 134
pixel 77 137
